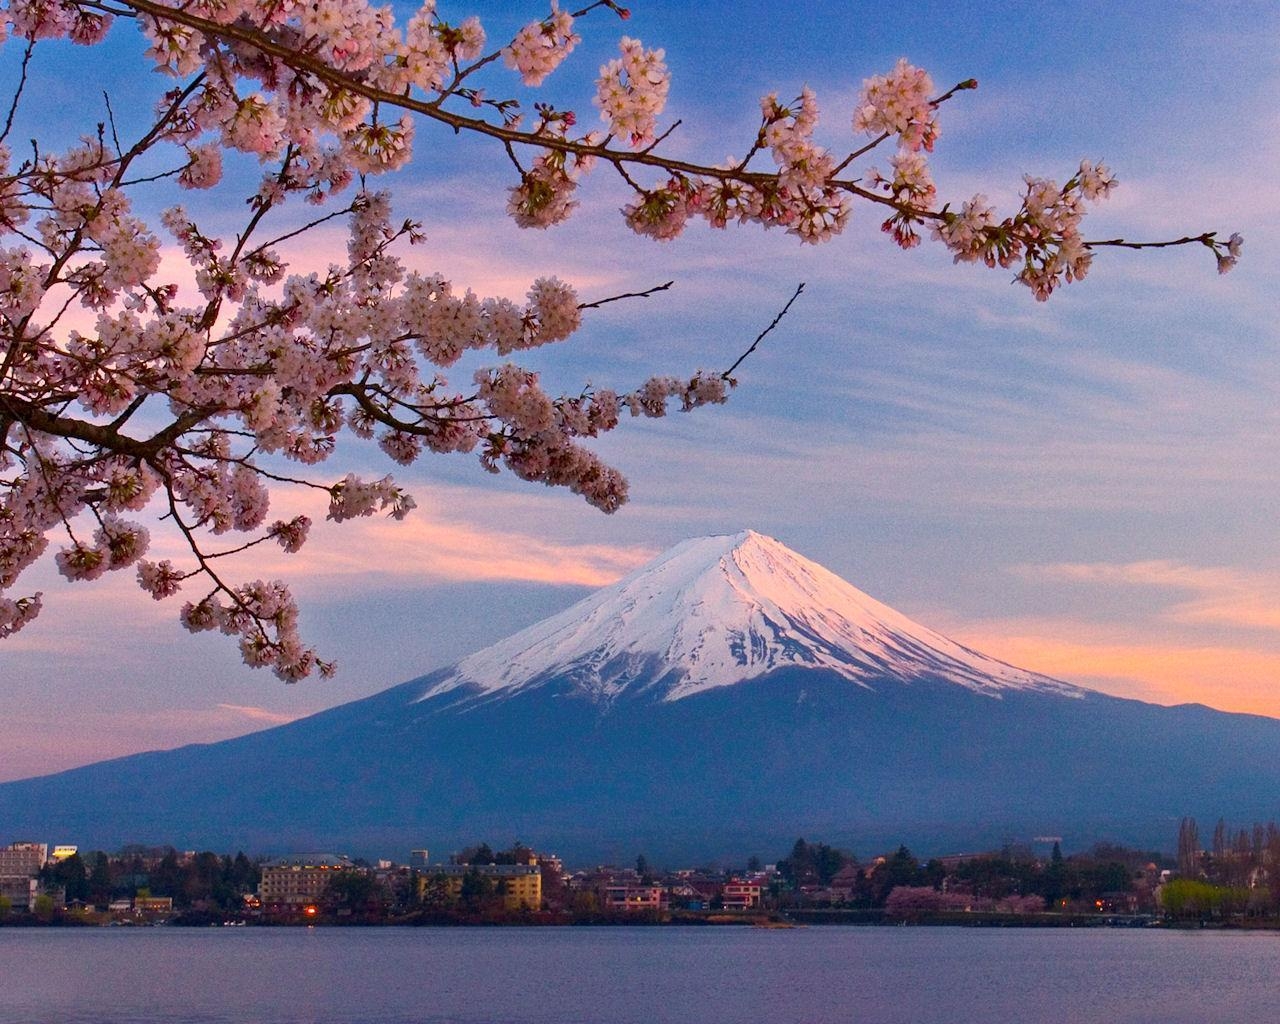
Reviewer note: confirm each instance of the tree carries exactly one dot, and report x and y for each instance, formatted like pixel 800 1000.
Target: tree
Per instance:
pixel 1189 848
pixel 166 879
pixel 44 907
pixel 481 854
pixel 434 890
pixel 68 874
pixel 193 404
pixel 477 890
pixel 356 892
pixel 100 880
pixel 1054 882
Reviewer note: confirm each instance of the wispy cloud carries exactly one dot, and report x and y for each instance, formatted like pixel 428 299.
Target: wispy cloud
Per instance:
pixel 1220 596
pixel 432 546
pixel 258 714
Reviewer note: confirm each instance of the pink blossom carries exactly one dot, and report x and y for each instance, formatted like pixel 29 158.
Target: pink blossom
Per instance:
pixel 292 534
pixel 632 91
pixel 539 48
pixel 205 168
pixel 899 103
pixel 159 579
pixel 16 614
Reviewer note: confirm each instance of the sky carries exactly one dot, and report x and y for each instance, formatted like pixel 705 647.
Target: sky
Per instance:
pixel 1086 488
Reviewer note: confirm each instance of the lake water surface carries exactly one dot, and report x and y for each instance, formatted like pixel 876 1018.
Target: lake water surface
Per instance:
pixel 635 976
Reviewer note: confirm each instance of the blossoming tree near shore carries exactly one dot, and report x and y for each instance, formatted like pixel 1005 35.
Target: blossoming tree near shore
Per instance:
pixel 195 405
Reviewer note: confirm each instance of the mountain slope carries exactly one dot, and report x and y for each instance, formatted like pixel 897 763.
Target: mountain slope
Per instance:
pixel 720 702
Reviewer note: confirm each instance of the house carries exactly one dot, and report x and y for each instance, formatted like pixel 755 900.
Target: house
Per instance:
pixel 633 898
pixel 22 860
pixel 740 895
pixel 152 906
pixel 20 892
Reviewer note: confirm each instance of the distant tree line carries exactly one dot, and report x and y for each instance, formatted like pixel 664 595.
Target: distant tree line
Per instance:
pixel 1238 874
pixel 207 880
pixel 815 871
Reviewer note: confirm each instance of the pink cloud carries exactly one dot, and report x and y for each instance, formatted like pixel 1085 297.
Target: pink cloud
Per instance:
pixel 87 735
pixel 431 547
pixel 257 714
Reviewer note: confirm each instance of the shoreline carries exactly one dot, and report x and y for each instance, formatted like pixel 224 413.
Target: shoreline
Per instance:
pixel 785 921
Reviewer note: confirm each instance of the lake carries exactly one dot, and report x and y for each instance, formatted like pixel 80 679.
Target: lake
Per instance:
pixel 727 975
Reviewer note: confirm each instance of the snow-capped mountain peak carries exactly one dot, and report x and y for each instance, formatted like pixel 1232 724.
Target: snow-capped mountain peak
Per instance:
pixel 715 611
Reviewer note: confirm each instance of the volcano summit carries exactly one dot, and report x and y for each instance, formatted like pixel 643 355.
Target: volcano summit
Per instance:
pixel 720 701
pixel 718 611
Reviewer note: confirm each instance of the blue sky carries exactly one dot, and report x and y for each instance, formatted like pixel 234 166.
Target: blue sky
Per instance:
pixel 1086 488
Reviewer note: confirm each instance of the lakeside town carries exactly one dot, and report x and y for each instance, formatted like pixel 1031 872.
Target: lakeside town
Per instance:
pixel 1234 880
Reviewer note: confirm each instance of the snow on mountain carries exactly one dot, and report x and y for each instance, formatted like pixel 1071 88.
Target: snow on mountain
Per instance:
pixel 715 611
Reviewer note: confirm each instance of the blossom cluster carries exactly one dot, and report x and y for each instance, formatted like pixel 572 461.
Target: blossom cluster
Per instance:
pixel 899 103
pixel 539 48
pixel 1042 239
pixel 632 91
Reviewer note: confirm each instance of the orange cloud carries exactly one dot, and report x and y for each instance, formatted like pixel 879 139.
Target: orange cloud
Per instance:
pixel 1224 677
pixel 1160 656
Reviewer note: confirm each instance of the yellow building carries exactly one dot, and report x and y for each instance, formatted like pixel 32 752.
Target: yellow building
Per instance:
pixel 520 885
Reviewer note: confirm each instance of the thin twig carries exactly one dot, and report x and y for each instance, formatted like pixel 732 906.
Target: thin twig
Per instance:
pixel 661 137
pixel 627 295
pixel 111 120
pixel 1205 239
pixel 728 374
pixel 17 95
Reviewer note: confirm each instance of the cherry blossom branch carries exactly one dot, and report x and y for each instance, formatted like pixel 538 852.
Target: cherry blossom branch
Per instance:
pixel 619 158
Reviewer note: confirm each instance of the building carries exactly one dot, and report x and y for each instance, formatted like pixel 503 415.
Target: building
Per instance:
pixel 550 862
pixel 63 852
pixel 293 883
pixel 20 892
pixel 22 860
pixel 519 884
pixel 740 895
pixel 20 864
pixel 152 905
pixel 631 899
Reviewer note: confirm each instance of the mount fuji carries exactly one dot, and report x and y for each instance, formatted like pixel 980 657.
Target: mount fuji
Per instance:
pixel 720 701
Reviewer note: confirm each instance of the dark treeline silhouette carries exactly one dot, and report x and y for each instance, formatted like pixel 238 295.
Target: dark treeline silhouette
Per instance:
pixel 206 880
